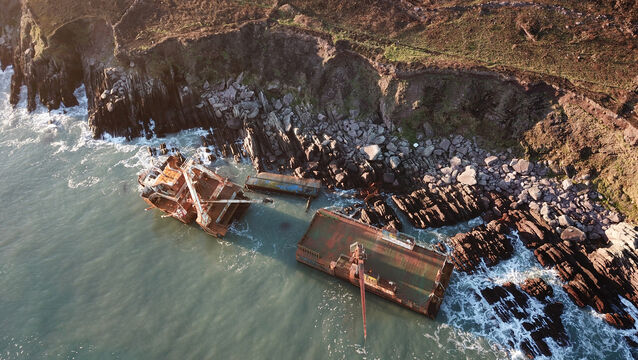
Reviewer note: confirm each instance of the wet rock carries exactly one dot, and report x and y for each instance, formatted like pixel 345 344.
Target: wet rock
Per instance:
pixel 537 288
pixel 486 243
pixel 512 305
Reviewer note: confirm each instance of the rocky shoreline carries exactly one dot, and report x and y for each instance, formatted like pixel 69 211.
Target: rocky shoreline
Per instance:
pixel 434 180
pixel 443 181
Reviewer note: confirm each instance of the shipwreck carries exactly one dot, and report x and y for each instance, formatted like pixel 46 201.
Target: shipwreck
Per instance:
pixel 188 191
pixel 388 264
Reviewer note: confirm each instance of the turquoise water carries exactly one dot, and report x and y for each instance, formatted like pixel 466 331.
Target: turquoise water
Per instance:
pixel 86 273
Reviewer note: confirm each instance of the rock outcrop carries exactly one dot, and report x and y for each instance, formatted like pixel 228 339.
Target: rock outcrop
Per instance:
pixel 487 243
pixel 512 305
pixel 436 207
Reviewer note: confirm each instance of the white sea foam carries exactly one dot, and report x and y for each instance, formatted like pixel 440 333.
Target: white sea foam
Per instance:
pixel 588 333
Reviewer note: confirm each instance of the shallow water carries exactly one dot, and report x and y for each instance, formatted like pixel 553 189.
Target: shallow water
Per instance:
pixel 86 273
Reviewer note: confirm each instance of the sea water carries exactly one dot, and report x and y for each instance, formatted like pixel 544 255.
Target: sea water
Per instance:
pixel 86 273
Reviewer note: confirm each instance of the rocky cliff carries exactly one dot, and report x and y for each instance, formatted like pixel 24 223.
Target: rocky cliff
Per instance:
pixel 321 95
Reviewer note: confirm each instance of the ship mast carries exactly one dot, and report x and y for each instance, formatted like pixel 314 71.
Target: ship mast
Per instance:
pixel 359 257
pixel 202 217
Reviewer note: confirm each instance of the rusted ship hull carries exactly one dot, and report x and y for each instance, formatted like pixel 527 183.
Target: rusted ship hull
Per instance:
pixel 285 184
pixel 396 268
pixel 189 192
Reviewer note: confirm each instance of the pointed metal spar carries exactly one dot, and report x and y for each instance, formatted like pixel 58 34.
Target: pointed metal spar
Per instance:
pixel 359 255
pixel 248 201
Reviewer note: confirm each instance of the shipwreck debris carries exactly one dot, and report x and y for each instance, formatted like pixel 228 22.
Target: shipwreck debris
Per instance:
pixel 395 267
pixel 189 192
pixel 286 184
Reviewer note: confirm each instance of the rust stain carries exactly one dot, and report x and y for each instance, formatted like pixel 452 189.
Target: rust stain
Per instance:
pixel 189 192
pixel 395 267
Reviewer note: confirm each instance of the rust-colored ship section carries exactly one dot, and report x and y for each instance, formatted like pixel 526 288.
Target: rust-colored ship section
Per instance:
pixel 395 267
pixel 285 184
pixel 189 192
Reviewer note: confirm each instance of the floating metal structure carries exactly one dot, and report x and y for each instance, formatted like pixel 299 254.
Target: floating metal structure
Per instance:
pixel 395 267
pixel 286 184
pixel 189 192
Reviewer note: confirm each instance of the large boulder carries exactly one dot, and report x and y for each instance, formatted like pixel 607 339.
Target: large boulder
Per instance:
pixel 467 177
pixel 523 166
pixel 573 234
pixel 372 151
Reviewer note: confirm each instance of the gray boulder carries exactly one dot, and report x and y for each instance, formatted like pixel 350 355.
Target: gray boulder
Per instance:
pixel 372 151
pixel 523 166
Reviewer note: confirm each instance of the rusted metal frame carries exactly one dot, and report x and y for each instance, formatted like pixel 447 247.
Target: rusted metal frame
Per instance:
pixel 232 197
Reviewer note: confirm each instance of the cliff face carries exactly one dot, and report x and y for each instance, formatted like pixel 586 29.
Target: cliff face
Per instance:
pixel 147 67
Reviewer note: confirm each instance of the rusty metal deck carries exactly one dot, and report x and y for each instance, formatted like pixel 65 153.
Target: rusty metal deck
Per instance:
pixel 418 273
pixel 166 188
pixel 284 184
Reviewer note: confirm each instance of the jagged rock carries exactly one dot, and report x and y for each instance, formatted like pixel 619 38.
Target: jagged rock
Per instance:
pixel 512 305
pixel 376 212
pixel 467 177
pixel 389 178
pixel 455 162
pixel 372 151
pixel 535 193
pixel 483 243
pixel 490 160
pixel 623 234
pixel 573 234
pixel 444 144
pixel 427 129
pixel 537 288
pixel 234 123
pixel 630 135
pixel 379 140
pixel 565 221
pixel 395 162
pixel 391 147
pixel 522 166
pixel 441 206
pixel 288 99
pixel 567 184
pixel 428 150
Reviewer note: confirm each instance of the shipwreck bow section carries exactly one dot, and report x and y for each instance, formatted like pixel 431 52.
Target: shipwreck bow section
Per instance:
pixel 396 268
pixel 187 191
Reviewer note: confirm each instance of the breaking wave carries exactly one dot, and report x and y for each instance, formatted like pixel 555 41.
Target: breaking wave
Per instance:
pixel 588 333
